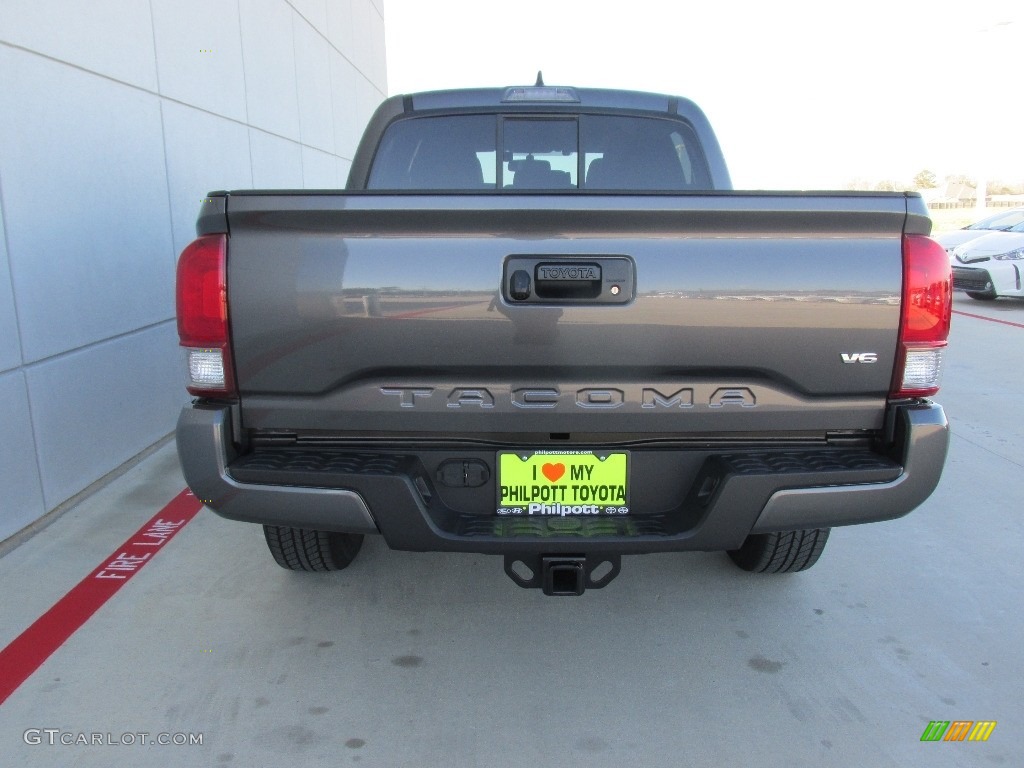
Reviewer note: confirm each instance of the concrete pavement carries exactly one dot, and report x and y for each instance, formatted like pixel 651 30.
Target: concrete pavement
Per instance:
pixel 440 660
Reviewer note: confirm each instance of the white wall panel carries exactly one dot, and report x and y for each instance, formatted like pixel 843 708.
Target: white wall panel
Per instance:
pixel 19 474
pixel 362 50
pixel 314 11
pixel 344 166
pixel 341 30
pixel 10 344
pixel 313 81
pixel 368 98
pixel 118 117
pixel 96 408
pixel 319 169
pixel 276 162
pixel 200 63
pixel 112 37
pixel 378 70
pixel 269 55
pixel 204 153
pixel 85 204
pixel 347 127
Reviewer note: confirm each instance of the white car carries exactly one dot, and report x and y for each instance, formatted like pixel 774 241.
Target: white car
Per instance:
pixel 999 222
pixel 990 266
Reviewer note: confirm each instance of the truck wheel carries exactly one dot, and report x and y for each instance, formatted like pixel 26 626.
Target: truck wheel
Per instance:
pixel 301 549
pixel 783 552
pixel 981 296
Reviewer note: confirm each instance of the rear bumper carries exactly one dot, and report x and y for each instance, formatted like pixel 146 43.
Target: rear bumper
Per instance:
pixel 206 451
pixel 923 446
pixel 689 499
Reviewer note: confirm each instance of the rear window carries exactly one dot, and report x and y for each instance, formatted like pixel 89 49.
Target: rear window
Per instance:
pixel 479 153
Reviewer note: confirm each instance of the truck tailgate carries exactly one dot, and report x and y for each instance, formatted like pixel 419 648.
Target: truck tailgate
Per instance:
pixel 748 313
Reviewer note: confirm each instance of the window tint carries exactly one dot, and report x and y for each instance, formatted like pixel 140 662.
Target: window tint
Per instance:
pixel 459 152
pixel 1004 221
pixel 443 153
pixel 631 153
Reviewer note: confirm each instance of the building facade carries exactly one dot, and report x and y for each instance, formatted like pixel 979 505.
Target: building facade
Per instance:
pixel 117 117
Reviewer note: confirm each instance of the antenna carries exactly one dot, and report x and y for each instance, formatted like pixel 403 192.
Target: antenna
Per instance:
pixel 540 78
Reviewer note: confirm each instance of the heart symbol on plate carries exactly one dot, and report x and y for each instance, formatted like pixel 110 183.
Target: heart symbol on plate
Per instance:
pixel 553 471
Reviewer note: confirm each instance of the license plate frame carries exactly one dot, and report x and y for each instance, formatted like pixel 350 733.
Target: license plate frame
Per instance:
pixel 562 483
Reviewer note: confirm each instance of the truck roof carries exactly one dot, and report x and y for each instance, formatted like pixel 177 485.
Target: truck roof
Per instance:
pixel 549 96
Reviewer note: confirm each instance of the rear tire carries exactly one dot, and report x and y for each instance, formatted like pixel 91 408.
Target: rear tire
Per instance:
pixel 783 552
pixel 302 549
pixel 981 296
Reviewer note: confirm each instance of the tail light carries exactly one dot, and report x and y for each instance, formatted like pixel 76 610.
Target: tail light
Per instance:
pixel 202 301
pixel 924 320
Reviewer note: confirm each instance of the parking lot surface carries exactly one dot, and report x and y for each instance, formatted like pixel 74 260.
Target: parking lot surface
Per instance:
pixel 411 659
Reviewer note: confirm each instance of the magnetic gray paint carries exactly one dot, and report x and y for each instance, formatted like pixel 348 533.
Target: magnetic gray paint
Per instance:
pixel 205 449
pixel 923 457
pixel 333 297
pixel 388 501
pixel 384 322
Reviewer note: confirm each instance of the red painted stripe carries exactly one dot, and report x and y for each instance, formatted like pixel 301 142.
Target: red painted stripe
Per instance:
pixel 49 632
pixel 990 319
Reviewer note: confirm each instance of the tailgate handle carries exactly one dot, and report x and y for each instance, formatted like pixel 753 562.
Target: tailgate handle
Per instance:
pixel 569 279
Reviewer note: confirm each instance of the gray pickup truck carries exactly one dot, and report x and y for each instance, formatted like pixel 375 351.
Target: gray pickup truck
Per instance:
pixel 539 324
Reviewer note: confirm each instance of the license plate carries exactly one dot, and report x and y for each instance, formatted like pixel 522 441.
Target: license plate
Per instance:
pixel 563 483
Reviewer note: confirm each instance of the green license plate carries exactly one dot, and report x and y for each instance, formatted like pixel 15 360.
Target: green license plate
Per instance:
pixel 563 483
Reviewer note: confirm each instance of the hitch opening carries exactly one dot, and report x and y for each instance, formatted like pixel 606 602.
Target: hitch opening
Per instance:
pixel 562 575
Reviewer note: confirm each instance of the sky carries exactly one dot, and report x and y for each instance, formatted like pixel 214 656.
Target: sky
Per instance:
pixel 802 95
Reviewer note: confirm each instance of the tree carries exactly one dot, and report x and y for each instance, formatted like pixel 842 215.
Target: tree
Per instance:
pixel 925 180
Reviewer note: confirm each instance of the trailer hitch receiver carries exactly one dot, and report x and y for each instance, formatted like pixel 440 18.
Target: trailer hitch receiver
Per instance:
pixel 562 575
